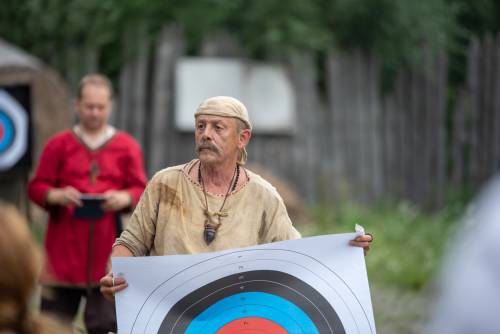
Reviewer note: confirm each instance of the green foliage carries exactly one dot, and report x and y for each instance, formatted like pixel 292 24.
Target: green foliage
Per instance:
pixel 479 16
pixel 393 30
pixel 272 28
pixel 474 18
pixel 408 244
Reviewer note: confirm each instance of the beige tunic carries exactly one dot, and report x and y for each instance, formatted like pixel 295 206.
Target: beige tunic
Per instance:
pixel 169 218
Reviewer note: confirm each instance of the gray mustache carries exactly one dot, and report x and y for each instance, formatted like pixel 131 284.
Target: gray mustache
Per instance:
pixel 207 146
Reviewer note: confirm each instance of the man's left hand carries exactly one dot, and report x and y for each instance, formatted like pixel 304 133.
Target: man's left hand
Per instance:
pixel 363 241
pixel 116 200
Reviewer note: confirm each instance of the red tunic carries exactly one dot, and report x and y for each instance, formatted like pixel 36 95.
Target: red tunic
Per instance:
pixel 66 161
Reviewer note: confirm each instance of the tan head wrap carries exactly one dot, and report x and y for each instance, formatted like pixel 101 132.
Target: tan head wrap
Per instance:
pixel 226 106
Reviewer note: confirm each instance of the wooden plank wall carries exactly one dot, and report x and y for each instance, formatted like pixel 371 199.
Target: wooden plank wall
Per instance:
pixel 353 111
pixel 350 143
pixel 413 122
pixel 476 117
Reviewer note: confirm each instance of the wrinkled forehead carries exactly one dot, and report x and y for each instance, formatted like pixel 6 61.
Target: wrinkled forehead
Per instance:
pixel 214 119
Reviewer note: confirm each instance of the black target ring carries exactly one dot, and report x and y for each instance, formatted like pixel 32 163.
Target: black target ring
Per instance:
pixel 166 293
pixel 276 283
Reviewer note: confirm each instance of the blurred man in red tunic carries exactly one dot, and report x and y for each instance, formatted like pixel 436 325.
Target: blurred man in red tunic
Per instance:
pixel 93 160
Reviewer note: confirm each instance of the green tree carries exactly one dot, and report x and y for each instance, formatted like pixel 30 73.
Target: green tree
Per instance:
pixel 393 30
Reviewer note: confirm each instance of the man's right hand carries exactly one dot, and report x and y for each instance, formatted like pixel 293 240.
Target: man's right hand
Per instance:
pixel 67 196
pixel 110 286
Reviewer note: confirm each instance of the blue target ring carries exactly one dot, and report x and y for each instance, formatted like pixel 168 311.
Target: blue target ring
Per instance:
pixel 267 294
pixel 7 131
pixel 13 131
pixel 252 304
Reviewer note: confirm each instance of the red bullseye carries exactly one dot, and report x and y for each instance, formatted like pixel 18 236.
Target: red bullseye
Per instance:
pixel 252 325
pixel 2 131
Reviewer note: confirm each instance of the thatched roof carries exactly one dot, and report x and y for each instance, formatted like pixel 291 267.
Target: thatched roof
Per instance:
pixel 49 94
pixel 50 109
pixel 11 55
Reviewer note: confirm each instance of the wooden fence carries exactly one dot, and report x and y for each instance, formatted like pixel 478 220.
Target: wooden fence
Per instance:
pixel 352 143
pixel 476 120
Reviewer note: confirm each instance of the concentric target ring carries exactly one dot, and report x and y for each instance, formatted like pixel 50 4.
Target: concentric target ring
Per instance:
pixel 172 305
pixel 13 131
pixel 209 308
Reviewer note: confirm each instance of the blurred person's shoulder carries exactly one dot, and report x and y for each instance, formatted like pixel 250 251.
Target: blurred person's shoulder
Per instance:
pixel 483 214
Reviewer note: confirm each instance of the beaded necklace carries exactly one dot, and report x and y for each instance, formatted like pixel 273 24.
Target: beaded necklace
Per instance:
pixel 212 225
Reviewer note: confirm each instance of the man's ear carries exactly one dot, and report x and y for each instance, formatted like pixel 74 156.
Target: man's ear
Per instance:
pixel 245 136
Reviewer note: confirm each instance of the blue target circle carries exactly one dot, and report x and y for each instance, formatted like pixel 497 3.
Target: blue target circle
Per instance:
pixel 267 294
pixel 253 304
pixel 7 131
pixel 14 131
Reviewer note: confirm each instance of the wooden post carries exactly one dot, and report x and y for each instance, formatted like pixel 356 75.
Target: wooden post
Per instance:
pixel 161 137
pixel 133 99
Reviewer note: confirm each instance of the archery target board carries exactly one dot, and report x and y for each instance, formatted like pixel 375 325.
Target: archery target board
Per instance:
pixel 311 285
pixel 14 129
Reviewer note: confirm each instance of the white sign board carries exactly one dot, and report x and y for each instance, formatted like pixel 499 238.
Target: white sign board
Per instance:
pixel 265 89
pixel 311 285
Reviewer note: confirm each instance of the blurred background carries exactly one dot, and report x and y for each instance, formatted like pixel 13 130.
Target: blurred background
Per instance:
pixel 384 113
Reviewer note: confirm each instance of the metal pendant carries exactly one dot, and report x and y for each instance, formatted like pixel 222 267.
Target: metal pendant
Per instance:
pixel 94 172
pixel 209 234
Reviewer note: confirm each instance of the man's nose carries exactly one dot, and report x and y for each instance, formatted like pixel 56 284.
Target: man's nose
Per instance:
pixel 207 133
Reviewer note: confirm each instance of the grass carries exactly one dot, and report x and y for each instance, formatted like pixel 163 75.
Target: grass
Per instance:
pixel 404 258
pixel 408 244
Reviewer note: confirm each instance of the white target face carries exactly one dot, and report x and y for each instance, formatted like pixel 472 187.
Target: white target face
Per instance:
pixel 13 131
pixel 274 290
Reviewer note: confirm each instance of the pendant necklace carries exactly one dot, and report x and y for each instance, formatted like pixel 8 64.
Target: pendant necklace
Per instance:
pixel 213 220
pixel 94 171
